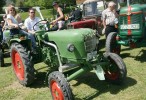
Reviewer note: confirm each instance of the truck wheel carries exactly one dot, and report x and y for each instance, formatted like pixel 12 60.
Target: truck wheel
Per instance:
pixel 1 58
pixel 111 44
pixel 59 87
pixel 116 71
pixel 22 64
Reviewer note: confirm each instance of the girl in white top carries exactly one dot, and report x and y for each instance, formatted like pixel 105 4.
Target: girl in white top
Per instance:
pixel 13 19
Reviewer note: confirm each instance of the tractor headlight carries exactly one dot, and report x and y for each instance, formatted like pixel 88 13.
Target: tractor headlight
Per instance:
pixel 70 47
pixel 70 27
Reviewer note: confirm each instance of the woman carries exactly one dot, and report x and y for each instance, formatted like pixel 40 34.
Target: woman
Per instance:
pixel 59 21
pixel 13 19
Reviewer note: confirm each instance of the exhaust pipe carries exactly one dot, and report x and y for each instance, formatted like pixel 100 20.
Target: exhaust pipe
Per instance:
pixel 67 67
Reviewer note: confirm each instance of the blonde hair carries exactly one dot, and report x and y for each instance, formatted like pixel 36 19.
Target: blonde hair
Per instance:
pixel 11 7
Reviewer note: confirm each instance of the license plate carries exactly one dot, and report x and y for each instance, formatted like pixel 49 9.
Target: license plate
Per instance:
pixel 130 26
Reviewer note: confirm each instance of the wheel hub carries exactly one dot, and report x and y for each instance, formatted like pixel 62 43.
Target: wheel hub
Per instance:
pixel 18 65
pixel 56 91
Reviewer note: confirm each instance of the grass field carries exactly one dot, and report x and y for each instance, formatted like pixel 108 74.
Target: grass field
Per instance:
pixel 86 87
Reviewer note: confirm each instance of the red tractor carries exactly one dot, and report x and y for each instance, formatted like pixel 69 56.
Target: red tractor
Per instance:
pixel 91 18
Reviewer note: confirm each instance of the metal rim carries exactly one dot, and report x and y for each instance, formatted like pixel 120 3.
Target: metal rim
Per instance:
pixel 56 91
pixel 115 48
pixel 112 75
pixel 113 72
pixel 18 65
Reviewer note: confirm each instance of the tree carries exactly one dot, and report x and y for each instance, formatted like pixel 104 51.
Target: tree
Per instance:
pixel 2 4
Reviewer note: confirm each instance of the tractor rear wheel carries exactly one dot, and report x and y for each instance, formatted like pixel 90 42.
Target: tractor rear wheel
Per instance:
pixel 111 44
pixel 59 86
pixel 116 71
pixel 1 58
pixel 22 64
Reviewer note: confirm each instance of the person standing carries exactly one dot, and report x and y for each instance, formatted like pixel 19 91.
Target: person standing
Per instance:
pixel 109 16
pixel 77 14
pixel 31 21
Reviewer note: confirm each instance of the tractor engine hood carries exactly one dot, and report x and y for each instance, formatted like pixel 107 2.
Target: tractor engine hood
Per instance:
pixel 83 40
pixel 132 9
pixel 131 21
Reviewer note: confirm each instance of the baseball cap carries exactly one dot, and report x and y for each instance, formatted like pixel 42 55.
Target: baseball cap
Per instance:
pixel 54 3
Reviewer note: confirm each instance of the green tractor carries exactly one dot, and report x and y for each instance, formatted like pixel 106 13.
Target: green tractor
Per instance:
pixel 131 27
pixel 68 54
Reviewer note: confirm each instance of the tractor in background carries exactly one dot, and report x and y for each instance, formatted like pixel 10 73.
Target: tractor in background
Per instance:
pixel 131 28
pixel 91 16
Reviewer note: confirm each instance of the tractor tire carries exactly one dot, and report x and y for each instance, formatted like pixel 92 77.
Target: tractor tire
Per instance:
pixel 22 64
pixel 1 58
pixel 59 87
pixel 116 71
pixel 111 44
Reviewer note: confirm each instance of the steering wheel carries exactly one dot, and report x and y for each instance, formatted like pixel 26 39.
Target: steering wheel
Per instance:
pixel 41 25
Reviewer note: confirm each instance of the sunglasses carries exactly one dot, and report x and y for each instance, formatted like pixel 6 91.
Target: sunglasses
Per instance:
pixel 32 12
pixel 11 10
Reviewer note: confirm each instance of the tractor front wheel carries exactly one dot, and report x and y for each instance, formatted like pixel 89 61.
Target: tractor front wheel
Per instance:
pixel 59 86
pixel 22 64
pixel 111 44
pixel 116 71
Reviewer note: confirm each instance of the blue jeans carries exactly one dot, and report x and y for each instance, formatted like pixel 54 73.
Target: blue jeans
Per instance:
pixel 30 36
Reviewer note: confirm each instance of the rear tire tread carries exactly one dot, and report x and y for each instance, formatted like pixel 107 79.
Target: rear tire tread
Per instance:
pixel 28 66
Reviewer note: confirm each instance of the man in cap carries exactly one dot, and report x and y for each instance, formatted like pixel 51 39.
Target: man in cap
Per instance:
pixel 109 16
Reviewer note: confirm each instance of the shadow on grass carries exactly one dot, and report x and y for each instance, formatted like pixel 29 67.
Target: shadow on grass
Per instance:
pixel 39 81
pixel 102 86
pixel 124 55
pixel 40 78
pixel 7 64
pixel 141 57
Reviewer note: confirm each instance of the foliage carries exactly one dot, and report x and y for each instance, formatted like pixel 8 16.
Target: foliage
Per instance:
pixel 41 3
pixel 2 3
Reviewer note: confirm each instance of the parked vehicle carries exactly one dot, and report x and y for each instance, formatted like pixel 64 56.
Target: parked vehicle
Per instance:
pixel 131 28
pixel 68 54
pixel 91 12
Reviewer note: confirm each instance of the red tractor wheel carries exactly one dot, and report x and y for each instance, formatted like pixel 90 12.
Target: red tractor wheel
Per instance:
pixel 111 44
pixel 116 71
pixel 22 64
pixel 59 87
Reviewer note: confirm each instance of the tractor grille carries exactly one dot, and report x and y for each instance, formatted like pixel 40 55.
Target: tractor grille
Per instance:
pixel 135 19
pixel 90 43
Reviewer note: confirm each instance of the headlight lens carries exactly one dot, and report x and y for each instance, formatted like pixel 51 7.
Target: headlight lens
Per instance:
pixel 70 47
pixel 70 27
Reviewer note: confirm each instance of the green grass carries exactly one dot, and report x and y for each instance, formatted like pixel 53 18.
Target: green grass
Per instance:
pixel 86 87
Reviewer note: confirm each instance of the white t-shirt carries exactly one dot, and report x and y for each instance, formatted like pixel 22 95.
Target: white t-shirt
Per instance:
pixel 14 21
pixel 29 23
